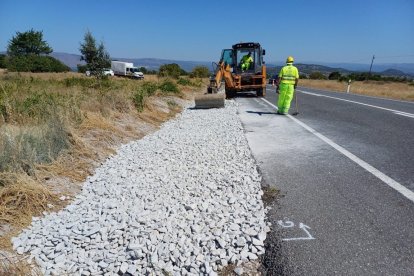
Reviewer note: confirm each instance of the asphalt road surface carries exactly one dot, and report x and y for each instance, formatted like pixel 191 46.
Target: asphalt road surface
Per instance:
pixel 345 171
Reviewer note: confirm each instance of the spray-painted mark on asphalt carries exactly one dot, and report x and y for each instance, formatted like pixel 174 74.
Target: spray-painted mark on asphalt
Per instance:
pixel 291 224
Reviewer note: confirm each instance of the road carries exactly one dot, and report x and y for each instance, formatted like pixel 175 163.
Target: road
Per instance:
pixel 344 167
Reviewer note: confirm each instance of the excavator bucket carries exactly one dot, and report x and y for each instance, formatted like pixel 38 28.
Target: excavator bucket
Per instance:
pixel 209 101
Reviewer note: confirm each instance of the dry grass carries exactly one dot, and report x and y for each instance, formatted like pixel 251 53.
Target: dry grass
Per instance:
pixel 391 90
pixel 16 266
pixel 21 198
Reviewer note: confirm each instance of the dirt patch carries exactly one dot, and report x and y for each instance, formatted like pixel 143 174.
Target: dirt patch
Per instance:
pixel 270 194
pixel 252 268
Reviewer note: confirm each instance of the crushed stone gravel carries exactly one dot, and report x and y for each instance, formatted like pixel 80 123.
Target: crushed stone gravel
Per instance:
pixel 185 200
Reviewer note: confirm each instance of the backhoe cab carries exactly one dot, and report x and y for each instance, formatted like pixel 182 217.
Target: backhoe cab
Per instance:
pixel 242 69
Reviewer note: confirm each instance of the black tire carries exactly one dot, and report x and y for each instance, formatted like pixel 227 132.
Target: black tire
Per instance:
pixel 259 92
pixel 230 94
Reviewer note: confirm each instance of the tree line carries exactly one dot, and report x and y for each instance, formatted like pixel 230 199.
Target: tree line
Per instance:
pixel 29 52
pixel 356 76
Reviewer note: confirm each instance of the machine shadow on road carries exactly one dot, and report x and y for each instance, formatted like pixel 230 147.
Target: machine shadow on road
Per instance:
pixel 245 95
pixel 260 113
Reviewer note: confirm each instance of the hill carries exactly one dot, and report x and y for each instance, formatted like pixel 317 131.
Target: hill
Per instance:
pixel 155 63
pixel 391 69
pixel 326 70
pixel 72 60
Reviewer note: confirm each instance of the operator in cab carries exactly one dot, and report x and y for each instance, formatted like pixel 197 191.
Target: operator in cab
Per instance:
pixel 246 61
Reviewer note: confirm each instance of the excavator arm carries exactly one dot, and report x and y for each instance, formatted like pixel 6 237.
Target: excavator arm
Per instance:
pixel 223 71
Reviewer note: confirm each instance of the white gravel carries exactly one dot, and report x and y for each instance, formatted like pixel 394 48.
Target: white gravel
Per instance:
pixel 185 200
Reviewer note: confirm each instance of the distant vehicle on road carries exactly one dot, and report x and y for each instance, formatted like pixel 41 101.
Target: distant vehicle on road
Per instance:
pixel 106 72
pixel 126 69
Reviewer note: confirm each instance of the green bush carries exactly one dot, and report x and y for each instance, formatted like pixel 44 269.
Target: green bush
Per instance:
pixel 33 63
pixel 82 68
pixel 168 86
pixel 200 72
pixel 149 88
pixel 139 99
pixel 38 105
pixel 334 76
pixel 171 70
pixel 317 76
pixel 183 81
pixel 75 81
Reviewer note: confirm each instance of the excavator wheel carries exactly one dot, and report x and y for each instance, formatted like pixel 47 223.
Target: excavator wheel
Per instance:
pixel 230 94
pixel 259 92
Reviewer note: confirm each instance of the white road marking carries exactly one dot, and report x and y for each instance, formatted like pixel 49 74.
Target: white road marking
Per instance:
pixel 383 177
pixel 405 114
pixel 410 115
pixel 304 227
pixel 366 96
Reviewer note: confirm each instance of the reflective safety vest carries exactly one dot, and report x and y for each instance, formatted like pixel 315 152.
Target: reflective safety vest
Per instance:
pixel 288 74
pixel 247 59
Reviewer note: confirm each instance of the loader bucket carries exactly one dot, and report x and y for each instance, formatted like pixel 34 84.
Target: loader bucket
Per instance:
pixel 209 101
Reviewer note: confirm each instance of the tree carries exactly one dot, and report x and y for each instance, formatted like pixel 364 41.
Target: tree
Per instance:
pixel 334 76
pixel 200 72
pixel 81 68
pixel 3 61
pixel 317 76
pixel 30 42
pixel 96 57
pixel 171 70
pixel 143 70
pixel 28 53
pixel 34 63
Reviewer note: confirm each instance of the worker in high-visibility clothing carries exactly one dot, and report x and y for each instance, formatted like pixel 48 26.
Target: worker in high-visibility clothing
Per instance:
pixel 246 61
pixel 288 80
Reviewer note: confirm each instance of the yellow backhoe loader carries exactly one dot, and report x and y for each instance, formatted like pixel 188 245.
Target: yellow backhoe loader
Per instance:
pixel 242 68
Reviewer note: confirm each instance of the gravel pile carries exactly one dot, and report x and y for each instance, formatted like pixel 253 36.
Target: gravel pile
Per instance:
pixel 185 200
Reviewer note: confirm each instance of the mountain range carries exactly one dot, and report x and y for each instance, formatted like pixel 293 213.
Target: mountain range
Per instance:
pixel 385 69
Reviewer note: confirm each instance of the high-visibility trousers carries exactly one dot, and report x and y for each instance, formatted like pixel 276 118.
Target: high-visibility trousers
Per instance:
pixel 245 66
pixel 285 97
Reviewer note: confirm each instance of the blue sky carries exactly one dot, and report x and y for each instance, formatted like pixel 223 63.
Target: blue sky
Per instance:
pixel 320 31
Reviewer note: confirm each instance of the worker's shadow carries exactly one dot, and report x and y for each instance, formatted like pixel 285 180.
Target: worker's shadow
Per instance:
pixel 260 113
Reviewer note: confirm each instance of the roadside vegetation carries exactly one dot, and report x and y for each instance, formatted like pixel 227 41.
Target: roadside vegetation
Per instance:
pixel 399 88
pixel 56 127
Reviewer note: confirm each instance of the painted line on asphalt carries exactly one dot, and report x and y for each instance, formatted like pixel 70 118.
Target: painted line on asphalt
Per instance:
pixel 383 177
pixel 405 114
pixel 398 112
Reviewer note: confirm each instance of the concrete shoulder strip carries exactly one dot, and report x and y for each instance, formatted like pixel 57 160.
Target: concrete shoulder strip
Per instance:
pixel 383 177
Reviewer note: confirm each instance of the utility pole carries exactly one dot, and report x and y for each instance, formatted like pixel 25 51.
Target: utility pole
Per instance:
pixel 372 61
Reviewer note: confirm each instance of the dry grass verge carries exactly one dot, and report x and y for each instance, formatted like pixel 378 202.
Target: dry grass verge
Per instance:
pixel 391 90
pixel 56 128
pixel 16 266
